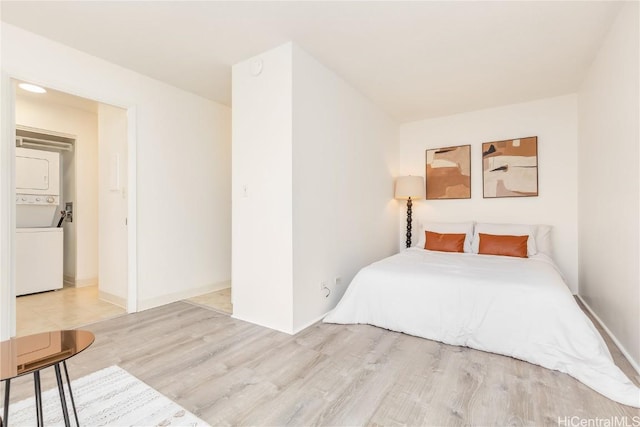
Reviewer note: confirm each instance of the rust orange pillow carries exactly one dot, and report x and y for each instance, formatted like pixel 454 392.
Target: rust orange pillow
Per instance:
pixel 491 244
pixel 444 242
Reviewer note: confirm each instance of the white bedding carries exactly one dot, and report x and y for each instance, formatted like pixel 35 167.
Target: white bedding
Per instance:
pixel 518 307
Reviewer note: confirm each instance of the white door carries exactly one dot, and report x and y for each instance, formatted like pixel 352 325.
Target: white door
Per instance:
pixel 112 203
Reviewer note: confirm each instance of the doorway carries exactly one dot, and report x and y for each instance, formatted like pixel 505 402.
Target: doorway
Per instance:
pixel 92 211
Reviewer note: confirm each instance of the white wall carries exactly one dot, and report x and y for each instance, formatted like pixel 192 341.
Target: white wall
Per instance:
pixel 80 185
pixel 262 270
pixel 609 188
pixel 7 203
pixel 317 161
pixel 68 159
pixel 554 122
pixel 344 157
pixel 183 163
pixel 112 203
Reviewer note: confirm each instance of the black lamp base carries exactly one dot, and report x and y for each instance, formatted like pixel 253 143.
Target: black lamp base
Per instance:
pixel 409 204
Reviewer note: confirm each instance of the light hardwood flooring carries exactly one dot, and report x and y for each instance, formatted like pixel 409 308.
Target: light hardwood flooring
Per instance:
pixel 617 355
pixel 230 372
pixel 67 308
pixel 218 300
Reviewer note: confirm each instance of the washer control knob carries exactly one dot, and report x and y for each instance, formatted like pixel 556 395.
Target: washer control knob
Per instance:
pixel 50 199
pixel 24 199
pixel 37 199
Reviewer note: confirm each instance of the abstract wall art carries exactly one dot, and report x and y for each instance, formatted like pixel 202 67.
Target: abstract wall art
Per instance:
pixel 449 173
pixel 510 168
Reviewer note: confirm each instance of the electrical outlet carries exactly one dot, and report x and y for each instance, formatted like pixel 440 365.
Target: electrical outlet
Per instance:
pixel 325 289
pixel 337 280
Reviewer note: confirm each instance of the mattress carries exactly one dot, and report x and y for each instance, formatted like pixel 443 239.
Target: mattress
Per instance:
pixel 518 307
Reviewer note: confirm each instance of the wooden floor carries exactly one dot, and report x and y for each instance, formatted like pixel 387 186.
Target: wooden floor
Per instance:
pixel 231 372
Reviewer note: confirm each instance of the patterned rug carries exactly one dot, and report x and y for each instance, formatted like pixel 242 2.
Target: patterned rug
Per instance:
pixel 109 397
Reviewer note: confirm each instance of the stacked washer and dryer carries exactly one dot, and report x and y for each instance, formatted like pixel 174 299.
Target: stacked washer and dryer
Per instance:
pixel 39 242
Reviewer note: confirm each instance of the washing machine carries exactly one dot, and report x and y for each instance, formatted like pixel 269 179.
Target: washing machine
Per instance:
pixel 39 259
pixel 39 243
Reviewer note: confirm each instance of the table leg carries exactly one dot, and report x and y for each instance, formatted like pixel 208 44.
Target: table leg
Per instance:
pixel 73 402
pixel 36 383
pixel 7 390
pixel 63 399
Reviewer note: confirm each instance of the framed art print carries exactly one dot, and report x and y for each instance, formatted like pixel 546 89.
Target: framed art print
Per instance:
pixel 448 173
pixel 510 168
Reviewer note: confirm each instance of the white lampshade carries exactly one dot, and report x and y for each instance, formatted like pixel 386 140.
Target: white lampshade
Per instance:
pixel 409 186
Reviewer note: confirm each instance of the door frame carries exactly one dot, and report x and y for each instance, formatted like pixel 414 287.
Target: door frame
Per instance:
pixel 7 198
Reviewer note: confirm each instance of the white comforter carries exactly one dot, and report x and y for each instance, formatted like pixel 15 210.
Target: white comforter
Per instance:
pixel 511 306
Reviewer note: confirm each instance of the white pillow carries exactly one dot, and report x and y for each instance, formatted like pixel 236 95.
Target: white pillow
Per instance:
pixel 447 228
pixel 543 240
pixel 506 230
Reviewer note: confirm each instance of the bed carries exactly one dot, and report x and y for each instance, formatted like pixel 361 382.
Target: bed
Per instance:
pixel 514 306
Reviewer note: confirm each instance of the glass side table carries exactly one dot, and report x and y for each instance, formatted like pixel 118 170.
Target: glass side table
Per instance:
pixel 33 353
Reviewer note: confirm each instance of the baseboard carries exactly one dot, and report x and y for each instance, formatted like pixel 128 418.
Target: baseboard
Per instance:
pixel 72 282
pixel 178 296
pixel 113 299
pixel 312 322
pixel 235 316
pixel 623 350
pixel 292 332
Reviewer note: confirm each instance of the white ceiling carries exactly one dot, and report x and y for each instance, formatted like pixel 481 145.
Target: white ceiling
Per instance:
pixel 57 98
pixel 414 59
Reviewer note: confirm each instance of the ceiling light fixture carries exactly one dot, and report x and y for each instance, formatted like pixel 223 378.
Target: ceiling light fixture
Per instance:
pixel 32 88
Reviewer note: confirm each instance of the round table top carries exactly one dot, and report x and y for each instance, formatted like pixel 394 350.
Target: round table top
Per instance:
pixel 24 355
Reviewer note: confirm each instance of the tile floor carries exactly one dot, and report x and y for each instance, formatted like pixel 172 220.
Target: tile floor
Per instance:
pixel 218 300
pixel 66 308
pixel 70 308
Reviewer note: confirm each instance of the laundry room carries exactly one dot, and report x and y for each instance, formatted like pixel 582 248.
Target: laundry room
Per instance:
pixel 71 207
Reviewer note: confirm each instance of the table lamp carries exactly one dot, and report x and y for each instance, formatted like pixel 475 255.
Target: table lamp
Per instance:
pixel 409 187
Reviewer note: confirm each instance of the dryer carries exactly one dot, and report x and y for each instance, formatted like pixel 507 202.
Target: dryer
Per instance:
pixel 37 187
